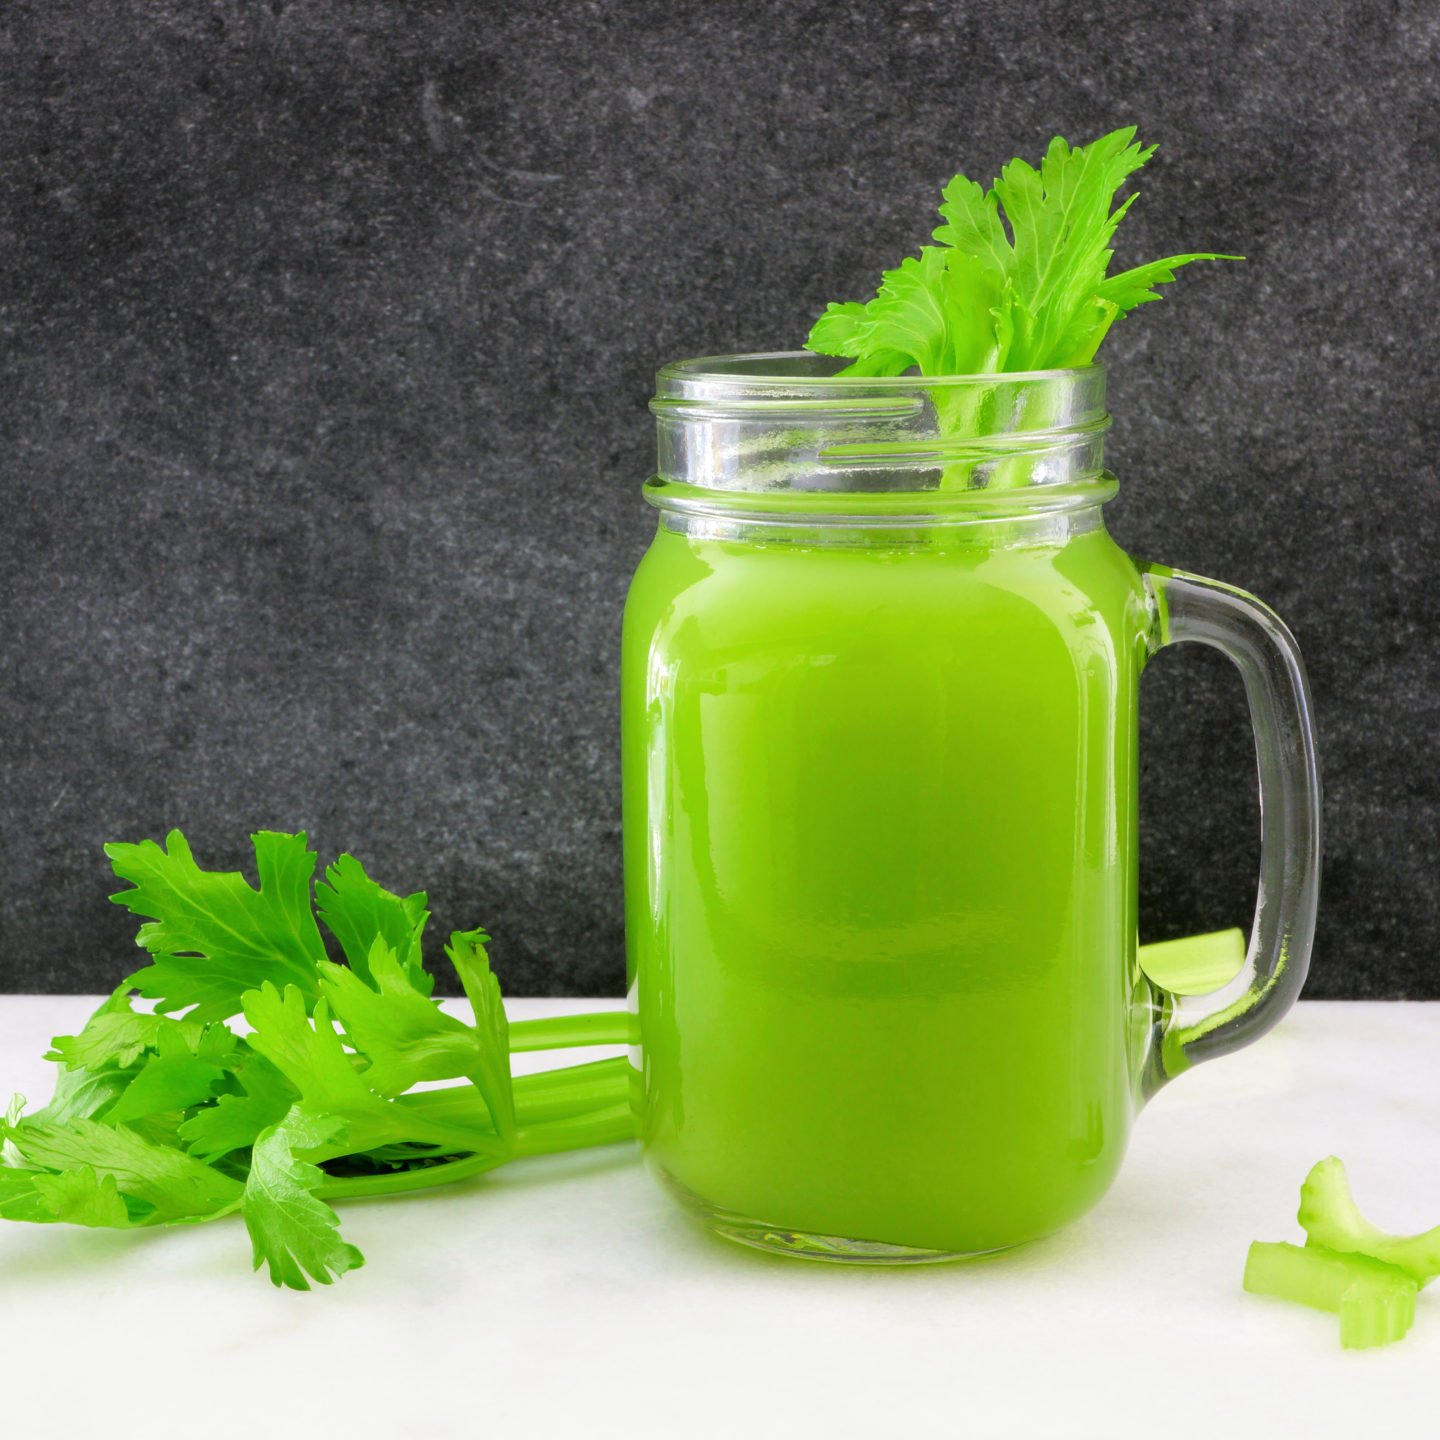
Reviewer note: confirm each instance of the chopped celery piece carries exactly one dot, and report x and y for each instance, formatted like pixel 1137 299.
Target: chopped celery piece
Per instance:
pixel 1375 1302
pixel 1196 964
pixel 1375 1317
pixel 1331 1219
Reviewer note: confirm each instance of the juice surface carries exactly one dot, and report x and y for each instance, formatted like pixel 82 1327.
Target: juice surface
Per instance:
pixel 880 878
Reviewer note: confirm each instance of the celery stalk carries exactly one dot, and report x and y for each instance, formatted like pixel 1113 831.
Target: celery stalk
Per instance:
pixel 562 1032
pixel 1196 964
pixel 549 1095
pixel 1375 1302
pixel 1331 1219
pixel 605 1126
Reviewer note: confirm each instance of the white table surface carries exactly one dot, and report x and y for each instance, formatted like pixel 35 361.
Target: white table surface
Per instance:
pixel 565 1296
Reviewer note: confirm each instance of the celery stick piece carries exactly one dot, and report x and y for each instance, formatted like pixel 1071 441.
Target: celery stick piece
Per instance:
pixel 1331 1218
pixel 1196 964
pixel 1375 1302
pixel 1370 1317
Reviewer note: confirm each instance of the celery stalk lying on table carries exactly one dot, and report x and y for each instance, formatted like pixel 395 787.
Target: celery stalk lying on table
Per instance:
pixel 157 1120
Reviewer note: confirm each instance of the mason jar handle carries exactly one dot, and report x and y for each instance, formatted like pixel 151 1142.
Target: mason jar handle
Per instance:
pixel 1192 1028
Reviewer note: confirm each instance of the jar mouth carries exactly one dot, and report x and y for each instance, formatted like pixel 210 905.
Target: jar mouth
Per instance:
pixel 786 426
pixel 804 367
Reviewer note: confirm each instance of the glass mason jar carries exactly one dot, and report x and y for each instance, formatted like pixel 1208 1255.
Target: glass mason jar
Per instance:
pixel 879 684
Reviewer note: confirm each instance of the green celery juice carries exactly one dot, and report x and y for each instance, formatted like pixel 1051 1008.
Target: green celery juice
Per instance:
pixel 880 876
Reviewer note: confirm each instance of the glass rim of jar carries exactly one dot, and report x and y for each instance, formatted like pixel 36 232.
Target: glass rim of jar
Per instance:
pixel 725 369
pixel 779 432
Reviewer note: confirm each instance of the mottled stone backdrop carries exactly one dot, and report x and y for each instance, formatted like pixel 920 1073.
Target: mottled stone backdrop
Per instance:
pixel 328 334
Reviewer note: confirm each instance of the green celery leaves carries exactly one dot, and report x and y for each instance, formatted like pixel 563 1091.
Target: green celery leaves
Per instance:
pixel 984 301
pixel 114 1037
pixel 259 1097
pixel 213 935
pixel 491 1074
pixel 161 1120
pixel 407 1038
pixel 167 1181
pixel 357 911
pixel 181 1071
pixel 291 1230
pixel 83 1197
pixel 310 1055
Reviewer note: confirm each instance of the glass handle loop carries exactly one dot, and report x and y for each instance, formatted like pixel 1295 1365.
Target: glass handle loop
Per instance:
pixel 1192 1028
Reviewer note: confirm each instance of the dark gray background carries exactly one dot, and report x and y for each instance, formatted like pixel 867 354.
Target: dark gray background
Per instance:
pixel 328 333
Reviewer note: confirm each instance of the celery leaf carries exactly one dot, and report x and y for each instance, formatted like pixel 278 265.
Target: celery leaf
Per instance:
pixel 355 910
pixel 173 1184
pixel 182 1071
pixel 237 1118
pixel 312 1058
pixel 291 1229
pixel 212 936
pixel 405 1036
pixel 82 1197
pixel 984 301
pixel 115 1036
pixel 82 1095
pixel 492 1076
